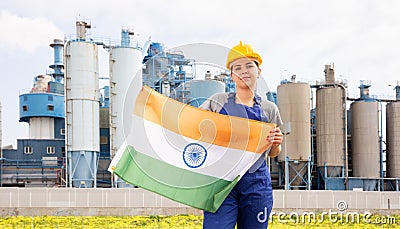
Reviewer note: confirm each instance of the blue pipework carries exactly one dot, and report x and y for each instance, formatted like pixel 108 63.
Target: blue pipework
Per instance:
pixel 58 65
pixel 397 88
pixel 125 38
pixel 155 49
pixel 168 69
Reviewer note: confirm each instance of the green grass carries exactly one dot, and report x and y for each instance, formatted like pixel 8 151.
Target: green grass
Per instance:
pixel 191 221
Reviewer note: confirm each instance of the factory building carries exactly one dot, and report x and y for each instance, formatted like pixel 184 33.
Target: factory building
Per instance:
pixel 40 159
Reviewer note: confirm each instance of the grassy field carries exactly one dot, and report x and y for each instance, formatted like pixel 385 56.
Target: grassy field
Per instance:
pixel 191 221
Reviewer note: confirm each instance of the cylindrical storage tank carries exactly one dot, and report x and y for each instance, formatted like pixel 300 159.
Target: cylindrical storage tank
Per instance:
pixel 125 73
pixel 294 107
pixel 200 90
pixel 393 139
pixel 365 139
pixel 125 66
pixel 82 112
pixel 330 131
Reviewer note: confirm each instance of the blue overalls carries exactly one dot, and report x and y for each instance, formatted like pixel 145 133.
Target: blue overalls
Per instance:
pixel 250 201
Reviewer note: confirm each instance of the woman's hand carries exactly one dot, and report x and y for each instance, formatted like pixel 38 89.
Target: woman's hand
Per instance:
pixel 275 137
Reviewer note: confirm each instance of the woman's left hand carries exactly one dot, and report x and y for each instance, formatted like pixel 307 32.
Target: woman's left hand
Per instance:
pixel 275 137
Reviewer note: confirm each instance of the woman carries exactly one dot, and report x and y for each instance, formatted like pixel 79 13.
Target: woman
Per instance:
pixel 250 201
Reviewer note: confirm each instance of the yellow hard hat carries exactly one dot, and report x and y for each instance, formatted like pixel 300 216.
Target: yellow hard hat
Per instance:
pixel 242 50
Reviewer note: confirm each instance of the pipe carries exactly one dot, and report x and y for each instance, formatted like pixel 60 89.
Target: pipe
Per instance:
pixel 287 185
pixel 309 173
pixel 381 145
pixel 346 158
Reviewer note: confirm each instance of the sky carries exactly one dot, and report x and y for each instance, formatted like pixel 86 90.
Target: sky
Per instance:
pixel 360 37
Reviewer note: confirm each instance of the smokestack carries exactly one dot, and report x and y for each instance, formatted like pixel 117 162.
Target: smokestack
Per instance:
pixel 58 66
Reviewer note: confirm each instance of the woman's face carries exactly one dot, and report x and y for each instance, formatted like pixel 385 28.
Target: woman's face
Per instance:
pixel 245 72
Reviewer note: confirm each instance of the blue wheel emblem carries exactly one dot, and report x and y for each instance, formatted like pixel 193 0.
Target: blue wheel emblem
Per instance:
pixel 194 155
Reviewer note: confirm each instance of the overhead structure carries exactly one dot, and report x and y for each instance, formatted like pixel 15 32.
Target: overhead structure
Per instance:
pixel 295 159
pixel 167 72
pixel 82 108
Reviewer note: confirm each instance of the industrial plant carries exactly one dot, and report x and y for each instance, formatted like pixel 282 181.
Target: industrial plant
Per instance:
pixel 331 141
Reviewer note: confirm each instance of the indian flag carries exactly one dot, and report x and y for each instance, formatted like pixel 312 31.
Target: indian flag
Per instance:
pixel 189 155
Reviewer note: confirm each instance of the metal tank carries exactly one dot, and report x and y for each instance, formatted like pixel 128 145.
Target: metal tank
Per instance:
pixel 200 90
pixel 125 72
pixel 365 139
pixel 393 137
pixel 82 110
pixel 330 126
pixel 294 107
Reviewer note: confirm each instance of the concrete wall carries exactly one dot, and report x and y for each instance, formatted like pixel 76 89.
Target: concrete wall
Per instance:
pixel 328 199
pixel 106 201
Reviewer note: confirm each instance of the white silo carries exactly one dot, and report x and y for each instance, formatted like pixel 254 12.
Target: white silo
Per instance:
pixel 125 72
pixel 82 109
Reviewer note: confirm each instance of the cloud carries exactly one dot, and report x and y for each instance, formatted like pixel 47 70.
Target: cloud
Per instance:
pixel 24 34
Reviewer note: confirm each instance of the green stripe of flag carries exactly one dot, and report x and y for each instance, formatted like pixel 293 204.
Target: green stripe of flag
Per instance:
pixel 184 186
